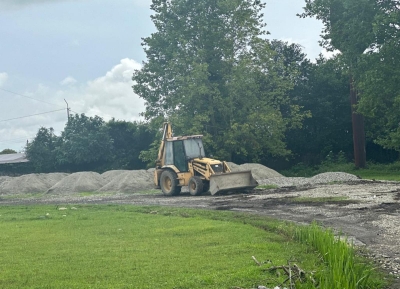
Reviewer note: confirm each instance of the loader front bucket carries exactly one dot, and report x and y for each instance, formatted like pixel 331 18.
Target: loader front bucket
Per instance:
pixel 233 181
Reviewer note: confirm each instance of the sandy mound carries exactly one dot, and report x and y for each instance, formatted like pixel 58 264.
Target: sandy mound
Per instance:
pixel 111 175
pixel 258 171
pixel 52 178
pixel 31 183
pixel 333 177
pixel 78 182
pixel 116 181
pixel 4 179
pixel 128 181
pixel 3 182
pixel 323 178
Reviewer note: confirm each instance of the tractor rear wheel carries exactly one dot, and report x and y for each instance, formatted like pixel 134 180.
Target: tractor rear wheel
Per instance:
pixel 195 186
pixel 169 183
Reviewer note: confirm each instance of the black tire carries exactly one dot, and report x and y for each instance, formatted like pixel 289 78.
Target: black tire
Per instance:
pixel 195 186
pixel 206 186
pixel 169 183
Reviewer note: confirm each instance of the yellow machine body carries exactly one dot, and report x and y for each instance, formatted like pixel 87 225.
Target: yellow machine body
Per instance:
pixel 181 162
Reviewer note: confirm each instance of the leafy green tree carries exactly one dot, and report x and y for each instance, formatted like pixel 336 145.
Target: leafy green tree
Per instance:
pixel 41 152
pixel 209 71
pixel 85 144
pixel 7 151
pixel 379 80
pixel 349 28
pixel 348 25
pixel 129 139
pixel 322 91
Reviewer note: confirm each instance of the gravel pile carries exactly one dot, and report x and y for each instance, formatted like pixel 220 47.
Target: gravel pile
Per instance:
pixel 78 182
pixel 111 175
pixel 52 178
pixel 31 183
pixel 133 181
pixel 3 182
pixel 4 179
pixel 258 171
pixel 324 178
pixel 128 181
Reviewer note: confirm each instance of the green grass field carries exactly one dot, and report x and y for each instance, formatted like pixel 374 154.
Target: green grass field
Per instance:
pixel 136 247
pixel 120 247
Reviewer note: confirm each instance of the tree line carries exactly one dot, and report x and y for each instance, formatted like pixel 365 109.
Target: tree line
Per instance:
pixel 211 70
pixel 90 144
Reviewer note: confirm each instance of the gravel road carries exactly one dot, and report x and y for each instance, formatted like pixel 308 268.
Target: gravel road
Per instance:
pixel 368 212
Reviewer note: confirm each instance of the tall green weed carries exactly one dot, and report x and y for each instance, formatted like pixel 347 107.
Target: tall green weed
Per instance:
pixel 344 269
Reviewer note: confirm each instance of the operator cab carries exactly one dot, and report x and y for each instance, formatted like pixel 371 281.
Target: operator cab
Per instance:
pixel 179 150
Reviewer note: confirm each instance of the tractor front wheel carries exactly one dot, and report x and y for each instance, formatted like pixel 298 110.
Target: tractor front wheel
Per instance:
pixel 195 186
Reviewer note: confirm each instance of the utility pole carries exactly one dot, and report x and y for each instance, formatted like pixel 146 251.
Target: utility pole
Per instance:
pixel 358 129
pixel 67 109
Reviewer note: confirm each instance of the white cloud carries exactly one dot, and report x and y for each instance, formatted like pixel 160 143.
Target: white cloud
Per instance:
pixel 19 4
pixel 16 4
pixel 112 95
pixel 107 96
pixel 308 46
pixel 68 81
pixel 3 78
pixel 329 54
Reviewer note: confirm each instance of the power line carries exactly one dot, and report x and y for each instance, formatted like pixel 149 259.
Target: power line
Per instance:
pixel 28 97
pixel 31 115
pixel 20 139
pixel 13 142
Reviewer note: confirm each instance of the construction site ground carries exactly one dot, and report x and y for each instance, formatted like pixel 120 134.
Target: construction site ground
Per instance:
pixel 368 212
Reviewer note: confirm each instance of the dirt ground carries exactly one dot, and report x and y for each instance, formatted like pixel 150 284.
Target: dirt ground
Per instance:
pixel 368 212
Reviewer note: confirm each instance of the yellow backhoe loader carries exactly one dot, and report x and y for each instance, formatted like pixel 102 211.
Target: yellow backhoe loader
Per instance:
pixel 181 162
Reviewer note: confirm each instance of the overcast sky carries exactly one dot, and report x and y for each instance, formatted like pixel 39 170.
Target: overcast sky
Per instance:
pixel 85 51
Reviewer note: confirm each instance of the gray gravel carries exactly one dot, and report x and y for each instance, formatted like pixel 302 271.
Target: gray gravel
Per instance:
pixel 324 178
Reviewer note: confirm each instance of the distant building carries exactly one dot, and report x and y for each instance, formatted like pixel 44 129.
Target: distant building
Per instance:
pixel 13 158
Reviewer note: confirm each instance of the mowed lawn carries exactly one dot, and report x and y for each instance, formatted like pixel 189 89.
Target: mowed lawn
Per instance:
pixel 110 246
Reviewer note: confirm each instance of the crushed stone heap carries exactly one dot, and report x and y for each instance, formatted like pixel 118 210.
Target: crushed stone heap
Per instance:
pixel 127 181
pixel 134 181
pixel 77 183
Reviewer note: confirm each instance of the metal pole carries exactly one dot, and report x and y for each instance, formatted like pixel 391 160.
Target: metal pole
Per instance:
pixel 358 129
pixel 67 109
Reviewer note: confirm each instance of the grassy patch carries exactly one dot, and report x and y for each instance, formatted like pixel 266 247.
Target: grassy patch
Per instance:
pixel 378 172
pixel 109 246
pixel 22 196
pixel 133 247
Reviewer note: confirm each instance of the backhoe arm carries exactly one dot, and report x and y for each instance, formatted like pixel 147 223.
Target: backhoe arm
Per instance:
pixel 167 133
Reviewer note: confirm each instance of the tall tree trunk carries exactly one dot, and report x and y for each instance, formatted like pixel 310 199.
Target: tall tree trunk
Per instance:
pixel 358 129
